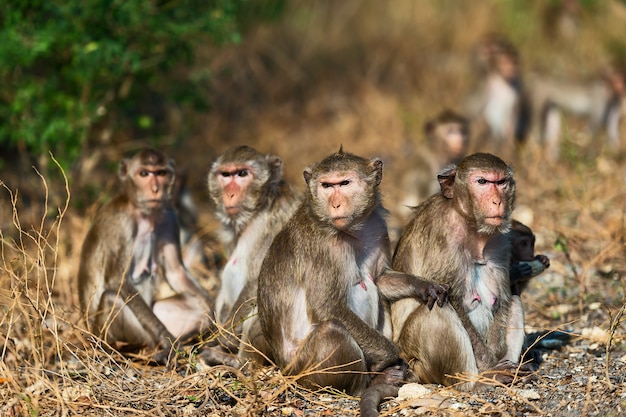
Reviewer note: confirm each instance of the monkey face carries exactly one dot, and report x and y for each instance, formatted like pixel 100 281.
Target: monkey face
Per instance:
pixel 340 193
pixel 454 137
pixel 490 191
pixel 153 184
pixel 523 248
pixel 234 180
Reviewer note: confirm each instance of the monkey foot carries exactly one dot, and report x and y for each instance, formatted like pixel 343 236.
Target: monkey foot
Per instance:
pixel 508 372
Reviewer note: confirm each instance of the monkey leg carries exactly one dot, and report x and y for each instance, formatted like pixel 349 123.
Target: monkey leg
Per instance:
pixel 253 346
pixel 181 315
pixel 508 368
pixel 117 321
pixel 330 356
pixel 129 324
pixel 515 332
pixel 436 345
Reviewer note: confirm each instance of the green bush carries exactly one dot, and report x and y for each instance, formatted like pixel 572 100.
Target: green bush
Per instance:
pixel 68 65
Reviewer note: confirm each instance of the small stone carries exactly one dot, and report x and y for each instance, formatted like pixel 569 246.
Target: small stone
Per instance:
pixel 413 390
pixel 529 394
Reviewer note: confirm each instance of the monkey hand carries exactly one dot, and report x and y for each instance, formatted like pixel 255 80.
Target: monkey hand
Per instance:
pixel 520 271
pixel 382 386
pixel 536 267
pixel 544 260
pixel 430 293
pixel 392 375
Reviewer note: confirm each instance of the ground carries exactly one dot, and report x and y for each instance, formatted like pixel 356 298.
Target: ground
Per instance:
pixel 365 76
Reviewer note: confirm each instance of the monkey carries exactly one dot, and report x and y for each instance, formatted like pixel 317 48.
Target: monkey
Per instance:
pixel 599 101
pixel 458 237
pixel 325 285
pixel 498 108
pixel 447 139
pixel 524 266
pixel 253 202
pixel 524 263
pixel 134 239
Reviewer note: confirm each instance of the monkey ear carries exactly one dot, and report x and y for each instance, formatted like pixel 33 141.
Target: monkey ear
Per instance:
pixel 122 172
pixel 276 168
pixel 307 175
pixel 377 166
pixel 340 151
pixel 446 181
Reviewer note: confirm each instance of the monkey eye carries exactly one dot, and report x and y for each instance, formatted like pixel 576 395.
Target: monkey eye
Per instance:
pixel 502 182
pixel 482 181
pixel 161 173
pixel 326 185
pixel 242 173
pixel 344 182
pixel 144 173
pixel 225 174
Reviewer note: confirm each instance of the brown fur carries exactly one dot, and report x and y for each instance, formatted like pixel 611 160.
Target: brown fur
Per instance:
pixel 267 202
pixel 325 283
pixel 448 241
pixel 133 237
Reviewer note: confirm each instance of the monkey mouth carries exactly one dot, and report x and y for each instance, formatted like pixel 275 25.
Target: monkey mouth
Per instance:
pixel 232 210
pixel 494 220
pixel 153 202
pixel 340 222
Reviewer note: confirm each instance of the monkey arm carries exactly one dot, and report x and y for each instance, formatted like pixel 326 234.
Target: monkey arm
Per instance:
pixel 380 352
pixel 397 285
pixel 485 357
pixel 170 257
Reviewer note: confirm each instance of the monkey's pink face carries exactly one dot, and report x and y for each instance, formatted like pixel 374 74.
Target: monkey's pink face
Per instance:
pixel 455 138
pixel 234 180
pixel 490 195
pixel 340 191
pixel 153 184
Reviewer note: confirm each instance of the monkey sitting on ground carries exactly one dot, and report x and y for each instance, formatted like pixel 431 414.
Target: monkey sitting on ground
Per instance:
pixel 458 237
pixel 524 266
pixel 133 238
pixel 253 202
pixel 325 284
pixel 524 263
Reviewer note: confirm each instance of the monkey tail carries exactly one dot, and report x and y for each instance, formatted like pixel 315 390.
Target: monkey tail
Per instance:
pixel 373 396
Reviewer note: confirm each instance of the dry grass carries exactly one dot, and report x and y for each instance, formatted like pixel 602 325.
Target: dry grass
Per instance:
pixel 365 75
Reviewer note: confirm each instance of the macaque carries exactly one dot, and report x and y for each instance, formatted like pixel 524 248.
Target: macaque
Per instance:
pixel 458 238
pixel 524 263
pixel 134 240
pixel 599 101
pixel 325 285
pixel 253 202
pixel 498 108
pixel 447 138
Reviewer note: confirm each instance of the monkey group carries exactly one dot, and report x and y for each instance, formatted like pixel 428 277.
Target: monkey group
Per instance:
pixel 506 110
pixel 311 283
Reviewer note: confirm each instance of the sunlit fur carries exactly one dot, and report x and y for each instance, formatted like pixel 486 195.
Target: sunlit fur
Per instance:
pixel 447 242
pixel 268 202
